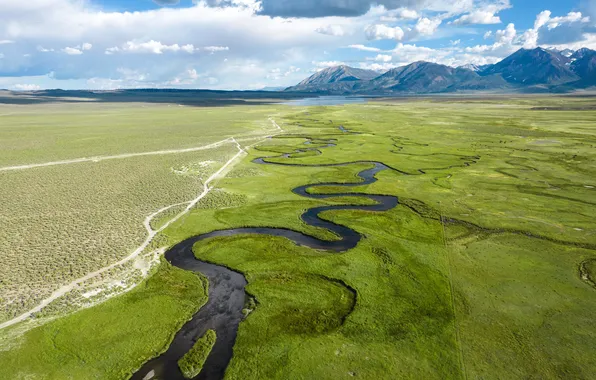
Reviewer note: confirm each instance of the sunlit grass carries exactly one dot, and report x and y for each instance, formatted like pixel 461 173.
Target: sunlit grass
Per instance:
pixel 482 271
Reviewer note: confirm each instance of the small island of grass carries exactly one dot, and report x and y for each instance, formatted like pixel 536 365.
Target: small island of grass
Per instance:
pixel 192 363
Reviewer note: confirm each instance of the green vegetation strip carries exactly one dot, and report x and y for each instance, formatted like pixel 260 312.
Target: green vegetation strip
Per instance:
pixel 192 363
pixel 111 340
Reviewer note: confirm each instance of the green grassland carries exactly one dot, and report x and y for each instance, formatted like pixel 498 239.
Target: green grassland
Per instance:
pixel 57 131
pixel 484 270
pixel 261 198
pixel 475 274
pixel 59 223
pixel 111 340
pixel 192 363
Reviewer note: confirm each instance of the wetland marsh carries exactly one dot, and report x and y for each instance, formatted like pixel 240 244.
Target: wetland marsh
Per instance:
pixel 482 269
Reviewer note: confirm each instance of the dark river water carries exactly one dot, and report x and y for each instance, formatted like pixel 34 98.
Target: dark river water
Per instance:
pixel 223 311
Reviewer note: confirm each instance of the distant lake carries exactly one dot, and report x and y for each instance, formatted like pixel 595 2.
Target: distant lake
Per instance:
pixel 325 101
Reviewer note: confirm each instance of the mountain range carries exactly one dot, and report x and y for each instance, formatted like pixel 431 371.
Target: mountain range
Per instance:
pixel 526 70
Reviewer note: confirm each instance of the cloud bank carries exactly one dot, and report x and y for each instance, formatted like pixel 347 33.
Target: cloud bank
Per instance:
pixel 247 44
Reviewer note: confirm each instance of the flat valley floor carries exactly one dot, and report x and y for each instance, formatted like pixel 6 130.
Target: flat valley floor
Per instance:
pixel 485 269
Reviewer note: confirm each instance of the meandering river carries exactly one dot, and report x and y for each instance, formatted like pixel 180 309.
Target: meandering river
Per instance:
pixel 223 310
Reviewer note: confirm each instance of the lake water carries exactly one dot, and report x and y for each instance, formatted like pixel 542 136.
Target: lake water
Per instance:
pixel 326 101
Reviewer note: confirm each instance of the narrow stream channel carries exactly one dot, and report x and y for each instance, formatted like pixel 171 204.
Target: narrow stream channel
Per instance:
pixel 223 310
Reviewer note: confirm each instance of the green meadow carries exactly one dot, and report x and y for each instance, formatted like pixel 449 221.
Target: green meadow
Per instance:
pixel 108 341
pixel 485 270
pixel 192 363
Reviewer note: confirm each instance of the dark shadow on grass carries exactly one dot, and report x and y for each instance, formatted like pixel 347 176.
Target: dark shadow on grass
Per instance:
pixel 195 98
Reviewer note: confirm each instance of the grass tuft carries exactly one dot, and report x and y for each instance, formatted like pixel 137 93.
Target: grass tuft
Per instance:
pixel 192 363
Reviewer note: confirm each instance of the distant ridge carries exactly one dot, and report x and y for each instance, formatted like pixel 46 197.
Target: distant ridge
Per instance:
pixel 475 68
pixel 426 77
pixel 526 70
pixel 335 78
pixel 584 64
pixel 537 66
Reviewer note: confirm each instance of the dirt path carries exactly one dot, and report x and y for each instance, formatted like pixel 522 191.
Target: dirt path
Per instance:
pixel 115 157
pixel 151 234
pixel 276 125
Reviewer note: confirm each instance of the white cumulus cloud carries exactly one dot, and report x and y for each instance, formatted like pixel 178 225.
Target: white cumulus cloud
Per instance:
pixel 507 35
pixel 478 17
pixel 331 30
pixel 571 17
pixel 426 26
pixel 384 32
pixel 72 51
pixel 76 41
pixel 400 14
pixel 44 50
pixel 383 58
pixel 504 43
pixel 364 48
pixel 150 47
pixel 321 65
pixel 543 19
pixel 486 14
pixel 215 49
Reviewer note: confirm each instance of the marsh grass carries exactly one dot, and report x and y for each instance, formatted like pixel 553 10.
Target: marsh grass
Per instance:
pixel 477 273
pixel 192 362
pixel 111 340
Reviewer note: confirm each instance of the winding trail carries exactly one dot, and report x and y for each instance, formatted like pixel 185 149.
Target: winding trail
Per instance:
pixel 151 233
pixel 223 310
pixel 118 156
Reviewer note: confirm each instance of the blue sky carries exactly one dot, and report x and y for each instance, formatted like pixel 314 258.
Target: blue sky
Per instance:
pixel 250 44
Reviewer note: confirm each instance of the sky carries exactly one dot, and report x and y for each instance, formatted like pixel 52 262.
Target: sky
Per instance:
pixel 254 44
